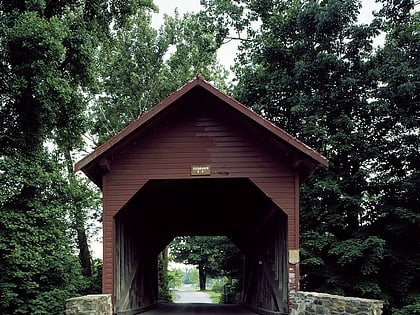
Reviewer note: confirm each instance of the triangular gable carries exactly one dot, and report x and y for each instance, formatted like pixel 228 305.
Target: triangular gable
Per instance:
pixel 95 163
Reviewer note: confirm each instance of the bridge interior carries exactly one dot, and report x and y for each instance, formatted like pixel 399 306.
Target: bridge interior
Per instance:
pixel 236 208
pixel 199 308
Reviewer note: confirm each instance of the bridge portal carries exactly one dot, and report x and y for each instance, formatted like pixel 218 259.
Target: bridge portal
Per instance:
pixel 200 163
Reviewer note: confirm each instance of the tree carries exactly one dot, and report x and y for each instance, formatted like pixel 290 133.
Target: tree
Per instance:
pixel 147 65
pixel 312 70
pixel 129 76
pixel 195 52
pixel 307 70
pixel 38 269
pixel 47 71
pixel 309 74
pixel 163 277
pixel 396 181
pixel 175 278
pixel 141 69
pixel 212 255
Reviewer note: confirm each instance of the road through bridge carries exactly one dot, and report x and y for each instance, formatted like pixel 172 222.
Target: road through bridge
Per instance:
pixel 200 163
pixel 196 302
pixel 191 296
pixel 198 308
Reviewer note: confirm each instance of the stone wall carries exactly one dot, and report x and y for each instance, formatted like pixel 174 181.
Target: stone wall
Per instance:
pixel 99 304
pixel 310 303
pixel 301 303
pixel 293 284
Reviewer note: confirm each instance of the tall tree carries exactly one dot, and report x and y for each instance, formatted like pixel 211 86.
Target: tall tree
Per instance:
pixel 146 65
pixel 311 69
pixel 129 76
pixel 47 69
pixel 195 52
pixel 307 69
pixel 38 270
pixel 395 180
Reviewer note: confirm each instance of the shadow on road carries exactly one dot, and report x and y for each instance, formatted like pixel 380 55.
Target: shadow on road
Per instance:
pixel 198 308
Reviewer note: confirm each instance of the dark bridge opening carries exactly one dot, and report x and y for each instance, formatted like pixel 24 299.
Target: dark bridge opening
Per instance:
pixel 236 208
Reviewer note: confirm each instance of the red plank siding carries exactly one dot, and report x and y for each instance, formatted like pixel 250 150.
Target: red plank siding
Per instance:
pixel 197 125
pixel 202 138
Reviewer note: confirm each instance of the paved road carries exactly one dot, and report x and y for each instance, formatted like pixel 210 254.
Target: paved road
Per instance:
pixel 198 308
pixel 183 296
pixel 195 302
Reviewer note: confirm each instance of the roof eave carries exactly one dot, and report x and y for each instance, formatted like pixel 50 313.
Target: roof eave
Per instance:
pixel 280 133
pixel 86 163
pixel 154 111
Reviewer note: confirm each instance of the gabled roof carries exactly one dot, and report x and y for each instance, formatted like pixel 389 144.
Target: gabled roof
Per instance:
pixel 95 160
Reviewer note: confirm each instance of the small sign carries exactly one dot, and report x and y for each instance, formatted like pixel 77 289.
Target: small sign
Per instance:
pixel 200 170
pixel 293 256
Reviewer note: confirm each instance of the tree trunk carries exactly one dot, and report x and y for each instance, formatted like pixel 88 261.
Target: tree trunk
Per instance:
pixel 78 223
pixel 202 276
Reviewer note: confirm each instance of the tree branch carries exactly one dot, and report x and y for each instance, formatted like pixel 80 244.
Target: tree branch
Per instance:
pixel 231 38
pixel 7 137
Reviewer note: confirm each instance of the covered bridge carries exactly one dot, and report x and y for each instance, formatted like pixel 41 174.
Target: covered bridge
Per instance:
pixel 200 163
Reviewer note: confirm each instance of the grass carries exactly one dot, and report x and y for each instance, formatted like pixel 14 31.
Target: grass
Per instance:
pixel 214 295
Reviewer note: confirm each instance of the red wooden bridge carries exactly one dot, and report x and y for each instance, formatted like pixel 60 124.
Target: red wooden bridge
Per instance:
pixel 200 156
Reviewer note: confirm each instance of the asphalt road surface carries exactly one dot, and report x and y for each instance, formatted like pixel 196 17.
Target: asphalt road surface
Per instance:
pixel 192 297
pixel 198 308
pixel 196 302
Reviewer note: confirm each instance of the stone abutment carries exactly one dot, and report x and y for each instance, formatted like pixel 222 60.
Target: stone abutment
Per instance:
pixel 301 303
pixel 311 303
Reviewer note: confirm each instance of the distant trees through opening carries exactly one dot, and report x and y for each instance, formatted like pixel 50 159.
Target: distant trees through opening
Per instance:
pixel 206 263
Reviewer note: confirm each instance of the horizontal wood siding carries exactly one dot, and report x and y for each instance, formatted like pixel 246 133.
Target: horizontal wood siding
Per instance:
pixel 201 137
pixel 170 150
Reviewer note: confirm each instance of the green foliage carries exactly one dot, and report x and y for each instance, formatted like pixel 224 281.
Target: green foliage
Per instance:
pixel 129 75
pixel 311 69
pixel 411 305
pixel 164 278
pixel 175 278
pixel 396 184
pixel 215 256
pixel 215 296
pixel 47 72
pixel 191 276
pixel 228 289
pixel 352 250
pixel 340 267
pixel 38 269
pixel 305 65
pixel 307 70
pixel 94 285
pixel 195 48
pixel 145 65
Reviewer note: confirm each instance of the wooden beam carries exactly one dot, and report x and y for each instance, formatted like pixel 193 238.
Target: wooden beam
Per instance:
pixel 276 293
pixel 247 286
pixel 296 162
pixel 105 165
pixel 270 213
